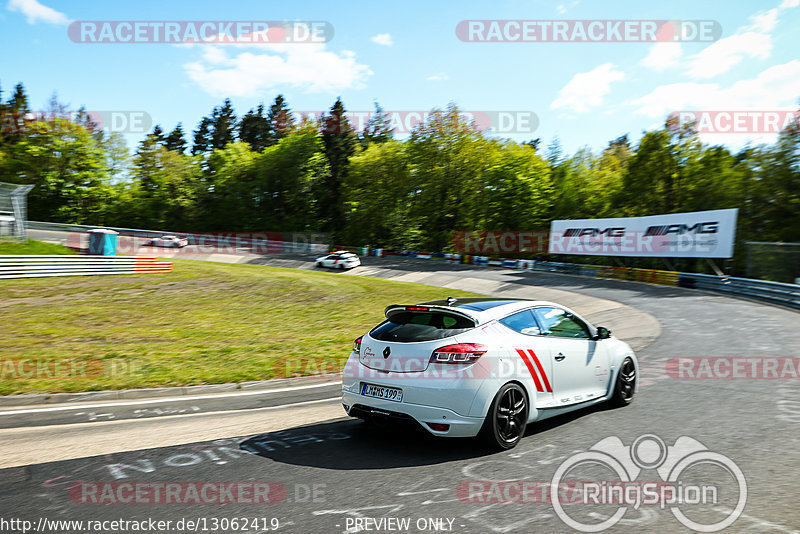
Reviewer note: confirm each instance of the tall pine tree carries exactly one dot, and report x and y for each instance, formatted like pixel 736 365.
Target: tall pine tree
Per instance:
pixel 378 129
pixel 223 124
pixel 339 141
pixel 202 137
pixel 175 141
pixel 255 129
pixel 281 119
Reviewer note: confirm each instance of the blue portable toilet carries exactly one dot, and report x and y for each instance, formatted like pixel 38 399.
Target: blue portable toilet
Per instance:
pixel 103 242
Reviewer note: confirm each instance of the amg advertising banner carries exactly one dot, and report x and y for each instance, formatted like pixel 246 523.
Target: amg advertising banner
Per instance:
pixel 699 234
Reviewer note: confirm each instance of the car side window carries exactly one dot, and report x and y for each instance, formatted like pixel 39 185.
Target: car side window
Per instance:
pixel 558 323
pixel 523 322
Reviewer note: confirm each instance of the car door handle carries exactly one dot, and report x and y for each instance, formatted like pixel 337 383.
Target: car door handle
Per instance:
pixel 560 357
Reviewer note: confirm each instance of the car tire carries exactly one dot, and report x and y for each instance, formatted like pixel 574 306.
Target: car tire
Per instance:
pixel 341 266
pixel 319 265
pixel 507 418
pixel 625 384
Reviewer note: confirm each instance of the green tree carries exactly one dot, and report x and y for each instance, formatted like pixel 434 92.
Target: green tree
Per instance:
pixel 255 129
pixel 378 129
pixel 67 166
pixel 448 154
pixel 339 141
pixel 280 119
pixel 378 191
pixel 175 140
pixel 202 137
pixel 158 134
pixel 223 125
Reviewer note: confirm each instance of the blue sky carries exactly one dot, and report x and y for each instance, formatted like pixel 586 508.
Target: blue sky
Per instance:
pixel 407 56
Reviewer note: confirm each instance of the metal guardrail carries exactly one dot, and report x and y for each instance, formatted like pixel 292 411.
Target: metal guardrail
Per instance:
pixel 774 292
pixel 226 242
pixel 763 290
pixel 23 266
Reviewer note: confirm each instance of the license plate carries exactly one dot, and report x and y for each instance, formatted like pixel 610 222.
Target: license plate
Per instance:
pixel 381 392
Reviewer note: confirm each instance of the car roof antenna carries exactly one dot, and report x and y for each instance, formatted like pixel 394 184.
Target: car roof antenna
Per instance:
pixel 451 301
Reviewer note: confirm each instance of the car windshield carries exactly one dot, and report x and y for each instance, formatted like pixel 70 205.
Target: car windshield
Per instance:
pixel 407 327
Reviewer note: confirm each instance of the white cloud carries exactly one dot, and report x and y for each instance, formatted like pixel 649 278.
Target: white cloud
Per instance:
pixel 764 21
pixel 726 53
pixel 563 8
pixel 750 41
pixel 586 89
pixel 663 56
pixel 384 39
pixel 35 12
pixel 774 89
pixel 306 66
pixel 439 77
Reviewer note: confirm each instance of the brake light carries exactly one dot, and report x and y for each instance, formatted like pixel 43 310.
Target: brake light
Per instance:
pixel 416 308
pixel 462 353
pixel 357 345
pixel 439 427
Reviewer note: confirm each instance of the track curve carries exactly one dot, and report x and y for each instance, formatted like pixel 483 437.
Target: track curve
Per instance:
pixel 357 473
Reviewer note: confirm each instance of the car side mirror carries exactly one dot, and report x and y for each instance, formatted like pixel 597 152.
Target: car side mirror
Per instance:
pixel 602 333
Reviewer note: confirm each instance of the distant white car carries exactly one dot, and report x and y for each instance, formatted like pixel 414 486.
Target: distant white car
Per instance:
pixel 339 260
pixel 167 241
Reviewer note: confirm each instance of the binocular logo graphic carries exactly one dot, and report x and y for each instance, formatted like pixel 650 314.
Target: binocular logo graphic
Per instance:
pixel 647 452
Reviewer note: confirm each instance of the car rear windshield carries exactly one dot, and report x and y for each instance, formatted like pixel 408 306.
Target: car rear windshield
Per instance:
pixel 408 327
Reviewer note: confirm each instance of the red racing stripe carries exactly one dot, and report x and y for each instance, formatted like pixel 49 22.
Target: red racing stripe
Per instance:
pixel 530 369
pixel 541 370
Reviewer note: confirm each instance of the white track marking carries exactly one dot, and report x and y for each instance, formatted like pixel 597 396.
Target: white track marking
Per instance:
pixel 165 399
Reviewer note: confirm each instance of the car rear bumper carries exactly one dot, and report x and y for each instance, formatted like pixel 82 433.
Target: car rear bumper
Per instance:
pixel 363 407
pixel 425 399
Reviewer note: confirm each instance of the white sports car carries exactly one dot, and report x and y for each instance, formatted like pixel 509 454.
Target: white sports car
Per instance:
pixel 488 367
pixel 339 260
pixel 168 241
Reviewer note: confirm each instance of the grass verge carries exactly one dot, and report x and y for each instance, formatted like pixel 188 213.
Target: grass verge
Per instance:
pixel 204 323
pixel 31 246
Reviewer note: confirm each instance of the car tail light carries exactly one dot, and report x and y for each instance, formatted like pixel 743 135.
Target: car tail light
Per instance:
pixel 439 427
pixel 416 308
pixel 357 345
pixel 462 353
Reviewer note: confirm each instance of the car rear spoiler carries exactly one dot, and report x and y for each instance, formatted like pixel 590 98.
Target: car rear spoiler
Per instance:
pixel 399 308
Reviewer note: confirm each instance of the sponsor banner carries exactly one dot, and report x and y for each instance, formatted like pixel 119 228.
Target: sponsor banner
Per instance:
pixel 500 242
pixel 699 234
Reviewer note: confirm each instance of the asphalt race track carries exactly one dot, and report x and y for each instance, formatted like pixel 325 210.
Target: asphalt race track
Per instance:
pixel 333 474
